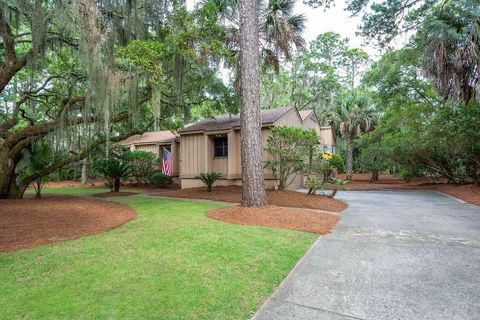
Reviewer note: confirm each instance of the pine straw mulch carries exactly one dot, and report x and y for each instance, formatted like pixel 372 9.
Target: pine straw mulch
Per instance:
pixel 361 182
pixel 277 217
pixel 30 222
pixel 114 194
pixel 276 198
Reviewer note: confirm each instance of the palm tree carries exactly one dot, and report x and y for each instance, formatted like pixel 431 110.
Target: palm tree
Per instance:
pixel 114 170
pixel 450 38
pixel 280 30
pixel 352 115
pixel 38 156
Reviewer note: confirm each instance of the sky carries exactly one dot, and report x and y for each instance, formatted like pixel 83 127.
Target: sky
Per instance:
pixel 335 19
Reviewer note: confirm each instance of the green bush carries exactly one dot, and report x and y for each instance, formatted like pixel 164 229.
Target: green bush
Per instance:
pixel 158 179
pixel 143 164
pixel 291 148
pixel 337 161
pixel 209 178
pixel 314 184
pixel 114 170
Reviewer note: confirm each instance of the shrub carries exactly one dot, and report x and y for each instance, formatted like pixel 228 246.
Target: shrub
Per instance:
pixel 209 178
pixel 313 184
pixel 114 170
pixel 38 156
pixel 158 179
pixel 337 182
pixel 336 161
pixel 290 148
pixel 143 163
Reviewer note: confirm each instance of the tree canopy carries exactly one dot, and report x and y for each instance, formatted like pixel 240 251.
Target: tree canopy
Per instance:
pixel 80 75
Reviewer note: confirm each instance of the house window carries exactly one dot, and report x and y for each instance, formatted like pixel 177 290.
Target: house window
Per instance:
pixel 220 146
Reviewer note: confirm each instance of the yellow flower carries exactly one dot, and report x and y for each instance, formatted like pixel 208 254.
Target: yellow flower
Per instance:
pixel 327 155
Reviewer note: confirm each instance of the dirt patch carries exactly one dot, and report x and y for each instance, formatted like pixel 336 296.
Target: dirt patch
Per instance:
pixel 277 217
pixel 275 198
pixel 27 223
pixel 114 194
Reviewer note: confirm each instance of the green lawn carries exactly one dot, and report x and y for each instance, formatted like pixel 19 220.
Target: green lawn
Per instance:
pixel 170 263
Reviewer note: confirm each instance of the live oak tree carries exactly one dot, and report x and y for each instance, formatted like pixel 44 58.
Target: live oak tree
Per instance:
pixel 49 94
pixel 61 81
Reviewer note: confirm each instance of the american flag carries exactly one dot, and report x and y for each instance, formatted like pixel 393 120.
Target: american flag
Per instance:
pixel 167 162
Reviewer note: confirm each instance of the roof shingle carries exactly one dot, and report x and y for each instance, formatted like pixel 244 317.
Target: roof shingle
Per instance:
pixel 225 122
pixel 150 138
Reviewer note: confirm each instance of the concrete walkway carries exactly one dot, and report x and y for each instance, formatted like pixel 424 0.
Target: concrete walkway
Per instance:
pixel 394 255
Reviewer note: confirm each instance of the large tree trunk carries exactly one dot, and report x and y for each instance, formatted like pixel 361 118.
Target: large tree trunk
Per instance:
pixel 116 184
pixel 7 173
pixel 349 160
pixel 253 191
pixel 375 175
pixel 84 179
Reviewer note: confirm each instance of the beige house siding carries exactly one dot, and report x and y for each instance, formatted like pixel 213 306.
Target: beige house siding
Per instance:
pixel 148 148
pixel 290 119
pixel 220 165
pixel 311 123
pixel 326 136
pixel 192 155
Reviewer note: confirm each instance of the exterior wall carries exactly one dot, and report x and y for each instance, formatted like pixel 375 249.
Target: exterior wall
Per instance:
pixel 327 137
pixel 176 158
pixel 220 165
pixel 290 119
pixel 234 162
pixel 311 123
pixel 193 153
pixel 153 148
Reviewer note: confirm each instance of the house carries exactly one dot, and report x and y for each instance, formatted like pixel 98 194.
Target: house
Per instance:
pixel 154 142
pixel 214 145
pixel 325 133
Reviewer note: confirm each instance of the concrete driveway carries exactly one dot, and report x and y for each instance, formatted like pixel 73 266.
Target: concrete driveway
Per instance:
pixel 394 255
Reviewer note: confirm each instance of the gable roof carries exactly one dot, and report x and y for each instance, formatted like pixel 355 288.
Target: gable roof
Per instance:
pixel 153 137
pixel 225 122
pixel 305 113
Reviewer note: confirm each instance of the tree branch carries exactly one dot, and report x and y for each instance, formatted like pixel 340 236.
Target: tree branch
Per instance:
pixel 73 157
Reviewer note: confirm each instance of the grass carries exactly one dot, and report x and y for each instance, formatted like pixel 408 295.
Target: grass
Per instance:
pixel 170 263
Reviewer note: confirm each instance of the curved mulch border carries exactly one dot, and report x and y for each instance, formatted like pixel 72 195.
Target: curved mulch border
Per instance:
pixel 282 198
pixel 277 217
pixel 115 194
pixel 27 223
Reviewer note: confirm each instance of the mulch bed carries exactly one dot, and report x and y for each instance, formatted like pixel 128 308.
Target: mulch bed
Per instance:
pixel 469 193
pixel 276 198
pixel 277 217
pixel 30 222
pixel 114 194
pixel 361 182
